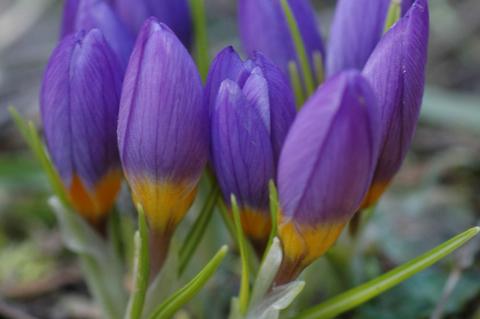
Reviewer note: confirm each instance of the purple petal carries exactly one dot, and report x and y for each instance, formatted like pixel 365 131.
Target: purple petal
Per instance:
pixel 282 105
pixel 256 92
pixel 263 27
pixel 68 18
pixel 357 27
pixel 79 106
pixel 91 14
pixel 226 65
pixel 328 158
pixel 396 71
pixel 163 124
pixel 175 14
pixel 406 5
pixel 241 146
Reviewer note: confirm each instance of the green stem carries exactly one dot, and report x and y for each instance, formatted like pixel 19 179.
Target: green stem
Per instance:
pixel 273 198
pixel 200 32
pixel 299 48
pixel 198 229
pixel 296 84
pixel 394 13
pixel 363 293
pixel 168 308
pixel 245 280
pixel 141 269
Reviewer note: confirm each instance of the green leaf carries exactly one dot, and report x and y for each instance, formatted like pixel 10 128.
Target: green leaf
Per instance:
pixel 363 293
pixel 29 132
pixel 242 244
pixel 266 303
pixel 165 283
pixel 267 272
pixel 278 299
pixel 103 271
pixel 296 84
pixel 141 269
pixel 170 306
pixel 198 229
pixel 318 67
pixel 299 48
pixel 200 33
pixel 273 198
pixel 393 15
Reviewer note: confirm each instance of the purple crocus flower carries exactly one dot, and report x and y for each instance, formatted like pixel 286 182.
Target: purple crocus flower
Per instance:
pixel 251 110
pixel 174 13
pixel 163 127
pixel 79 105
pixel 357 27
pixel 88 14
pixel 263 27
pixel 325 168
pixel 396 71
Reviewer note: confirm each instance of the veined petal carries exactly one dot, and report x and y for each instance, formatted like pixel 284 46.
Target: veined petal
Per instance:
pixel 226 65
pixel 282 105
pixel 326 167
pixel 163 123
pixel 241 146
pixel 175 14
pixel 79 107
pixel 396 71
pixel 357 27
pixel 406 5
pixel 90 14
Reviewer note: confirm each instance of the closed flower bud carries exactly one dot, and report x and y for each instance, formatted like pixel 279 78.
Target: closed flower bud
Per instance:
pixel 325 168
pixel 357 27
pixel 79 106
pixel 88 14
pixel 263 27
pixel 396 71
pixel 252 109
pixel 174 13
pixel 163 127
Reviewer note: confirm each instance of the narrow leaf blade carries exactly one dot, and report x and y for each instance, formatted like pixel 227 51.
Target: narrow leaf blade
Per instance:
pixel 141 269
pixel 363 293
pixel 198 229
pixel 168 308
pixel 242 244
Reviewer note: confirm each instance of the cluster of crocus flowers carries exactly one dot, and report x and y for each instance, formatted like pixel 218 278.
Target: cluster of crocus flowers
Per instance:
pixel 251 109
pixel 336 156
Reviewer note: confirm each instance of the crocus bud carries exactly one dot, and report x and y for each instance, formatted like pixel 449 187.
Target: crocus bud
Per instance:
pixel 396 71
pixel 252 109
pixel 356 30
pixel 263 27
pixel 163 127
pixel 79 107
pixel 88 14
pixel 174 13
pixel 325 168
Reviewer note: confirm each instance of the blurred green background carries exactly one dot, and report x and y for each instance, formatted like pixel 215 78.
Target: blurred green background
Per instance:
pixel 436 194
